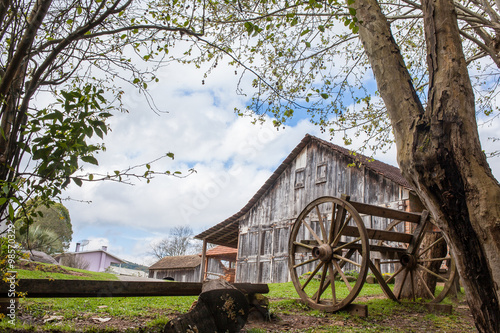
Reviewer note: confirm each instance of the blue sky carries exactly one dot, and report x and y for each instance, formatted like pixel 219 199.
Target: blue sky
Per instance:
pixel 232 158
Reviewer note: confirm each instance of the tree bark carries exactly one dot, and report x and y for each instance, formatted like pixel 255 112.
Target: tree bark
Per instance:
pixel 439 151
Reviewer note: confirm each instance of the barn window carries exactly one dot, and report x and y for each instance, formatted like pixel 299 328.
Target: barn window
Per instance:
pixel 299 178
pixel 321 170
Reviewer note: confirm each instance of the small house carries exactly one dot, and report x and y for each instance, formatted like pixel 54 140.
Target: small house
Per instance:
pixel 93 260
pixel 178 268
pixel 315 168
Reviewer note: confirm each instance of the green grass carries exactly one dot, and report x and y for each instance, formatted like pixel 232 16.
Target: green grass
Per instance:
pixel 151 313
pixel 287 290
pixel 56 272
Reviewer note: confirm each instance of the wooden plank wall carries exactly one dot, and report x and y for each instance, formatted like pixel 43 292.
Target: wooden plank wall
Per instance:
pixel 316 172
pixel 179 275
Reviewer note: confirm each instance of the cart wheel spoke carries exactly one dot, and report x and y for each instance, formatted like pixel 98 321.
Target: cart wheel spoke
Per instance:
pixel 400 289
pixel 421 278
pixel 332 282
pixel 321 225
pixel 316 237
pixel 442 278
pixel 401 269
pixel 312 276
pixel 336 256
pixel 342 275
pixel 306 246
pixel 422 252
pixel 305 262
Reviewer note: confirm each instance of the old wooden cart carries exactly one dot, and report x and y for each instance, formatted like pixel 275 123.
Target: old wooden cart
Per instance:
pixel 329 238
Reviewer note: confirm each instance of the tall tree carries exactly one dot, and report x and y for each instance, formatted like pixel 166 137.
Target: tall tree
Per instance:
pixel 52 218
pixel 178 243
pixel 439 150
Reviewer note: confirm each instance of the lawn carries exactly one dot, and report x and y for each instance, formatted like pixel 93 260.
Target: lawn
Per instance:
pixel 35 270
pixel 149 314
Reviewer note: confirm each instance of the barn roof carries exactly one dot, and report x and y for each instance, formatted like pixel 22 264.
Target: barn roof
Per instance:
pixel 226 232
pixel 177 262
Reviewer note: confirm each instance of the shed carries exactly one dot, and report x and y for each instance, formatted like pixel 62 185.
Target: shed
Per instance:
pixel 220 262
pixel 179 268
pixel 315 168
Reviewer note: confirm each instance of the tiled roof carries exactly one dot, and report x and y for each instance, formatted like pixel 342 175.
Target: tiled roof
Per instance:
pixel 221 251
pixel 177 262
pixel 226 232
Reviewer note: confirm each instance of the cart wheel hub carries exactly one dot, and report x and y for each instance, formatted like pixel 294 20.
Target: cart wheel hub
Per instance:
pixel 323 252
pixel 408 261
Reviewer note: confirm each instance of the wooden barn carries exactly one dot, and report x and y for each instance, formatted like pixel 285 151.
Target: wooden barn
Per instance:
pixel 315 168
pixel 179 268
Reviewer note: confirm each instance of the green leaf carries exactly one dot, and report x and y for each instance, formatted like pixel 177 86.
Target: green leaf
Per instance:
pixel 249 27
pixel 11 212
pixel 3 200
pixel 352 11
pixel 90 159
pixel 321 28
pixel 324 96
pixel 78 182
pixel 91 177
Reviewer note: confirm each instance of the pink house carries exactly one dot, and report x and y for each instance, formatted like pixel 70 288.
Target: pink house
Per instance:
pixel 95 260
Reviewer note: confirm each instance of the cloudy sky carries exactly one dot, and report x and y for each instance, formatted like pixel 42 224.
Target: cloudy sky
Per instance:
pixel 231 156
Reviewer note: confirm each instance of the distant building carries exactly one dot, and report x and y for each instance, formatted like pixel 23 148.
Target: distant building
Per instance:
pixel 220 262
pixel 178 268
pixel 95 260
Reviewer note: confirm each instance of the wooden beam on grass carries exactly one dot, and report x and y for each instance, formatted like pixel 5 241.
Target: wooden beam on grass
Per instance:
pixel 42 288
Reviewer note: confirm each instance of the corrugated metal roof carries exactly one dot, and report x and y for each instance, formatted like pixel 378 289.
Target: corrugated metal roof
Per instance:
pixel 177 262
pixel 226 232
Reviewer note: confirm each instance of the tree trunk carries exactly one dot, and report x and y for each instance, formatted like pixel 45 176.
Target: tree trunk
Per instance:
pixel 439 151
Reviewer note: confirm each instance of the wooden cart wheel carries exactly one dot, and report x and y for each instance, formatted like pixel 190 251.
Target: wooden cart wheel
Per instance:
pixel 317 248
pixel 412 267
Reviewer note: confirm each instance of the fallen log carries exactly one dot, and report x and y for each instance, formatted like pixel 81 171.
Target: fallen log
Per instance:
pixel 42 288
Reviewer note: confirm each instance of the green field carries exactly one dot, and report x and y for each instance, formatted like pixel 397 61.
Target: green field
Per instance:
pixel 149 314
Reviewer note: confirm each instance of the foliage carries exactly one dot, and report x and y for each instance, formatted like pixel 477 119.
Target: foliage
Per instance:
pixel 305 58
pixel 40 239
pixel 72 54
pixel 38 219
pixel 10 255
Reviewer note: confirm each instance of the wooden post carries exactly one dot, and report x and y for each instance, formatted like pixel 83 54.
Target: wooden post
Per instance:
pixel 203 261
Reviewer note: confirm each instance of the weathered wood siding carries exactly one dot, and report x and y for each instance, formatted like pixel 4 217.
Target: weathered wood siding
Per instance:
pixel 317 171
pixel 180 275
pixel 215 269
